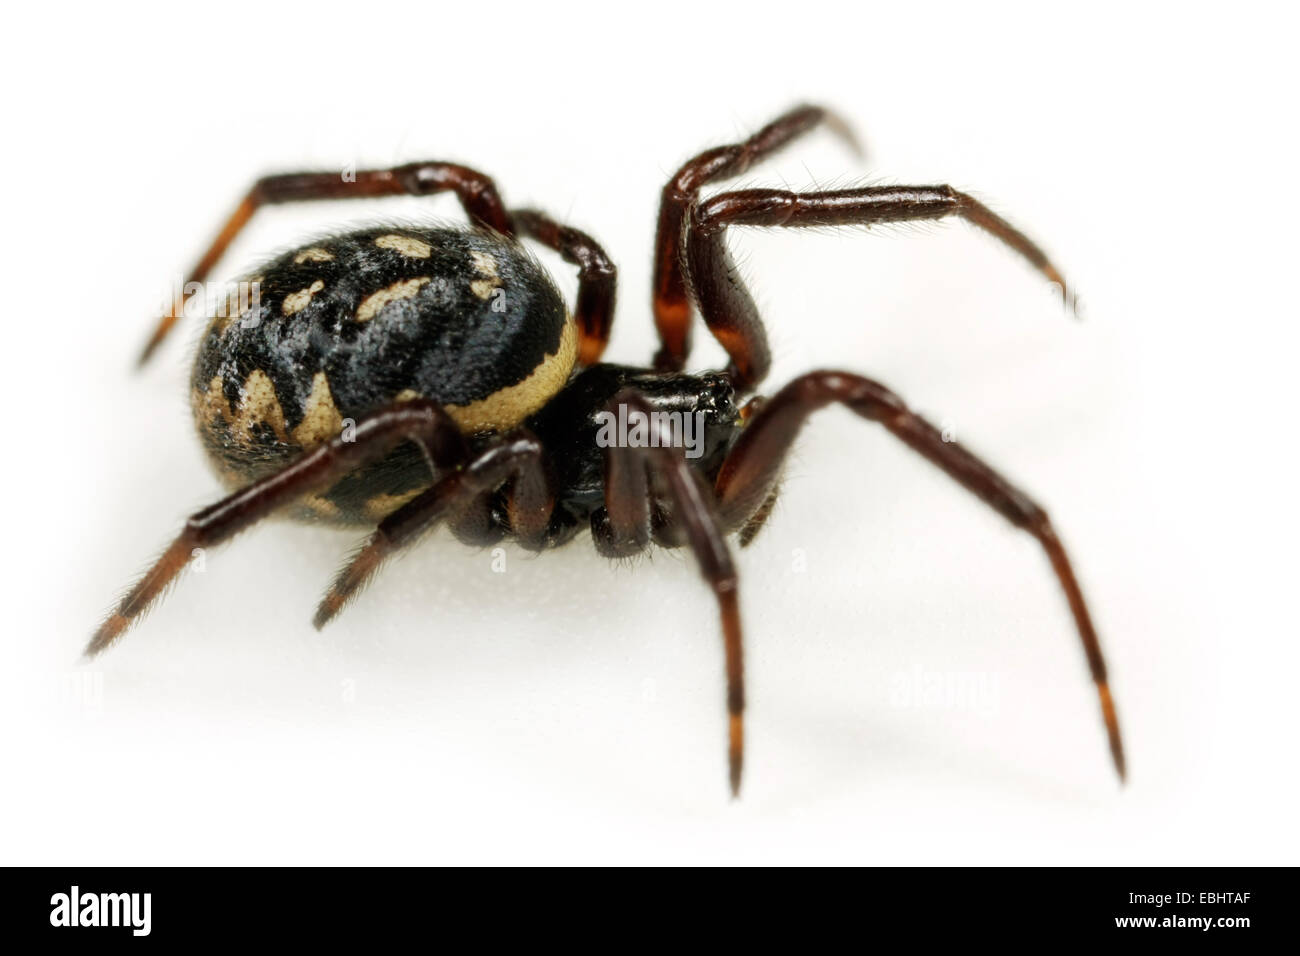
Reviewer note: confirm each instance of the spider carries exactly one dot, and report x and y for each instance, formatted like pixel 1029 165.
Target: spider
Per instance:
pixel 395 377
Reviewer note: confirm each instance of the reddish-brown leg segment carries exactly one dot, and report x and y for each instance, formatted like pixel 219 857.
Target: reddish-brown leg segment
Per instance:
pixel 753 467
pixel 597 278
pixel 725 303
pixel 623 527
pixel 672 306
pixel 476 192
pixel 518 459
pixel 421 421
pixel 694 517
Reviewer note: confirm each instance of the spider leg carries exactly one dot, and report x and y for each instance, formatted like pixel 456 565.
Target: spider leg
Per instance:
pixel 473 522
pixel 693 515
pixel 477 194
pixel 753 466
pixel 725 303
pixel 672 306
pixel 623 527
pixel 518 458
pixel 750 529
pixel 597 278
pixel 375 435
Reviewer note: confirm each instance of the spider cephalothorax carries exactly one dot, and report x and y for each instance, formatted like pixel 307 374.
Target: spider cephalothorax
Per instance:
pixel 398 375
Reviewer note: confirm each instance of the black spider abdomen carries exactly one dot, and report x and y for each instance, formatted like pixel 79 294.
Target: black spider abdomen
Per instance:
pixel 349 324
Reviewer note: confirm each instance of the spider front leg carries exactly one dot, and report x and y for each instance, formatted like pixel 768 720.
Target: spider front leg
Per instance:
pixel 725 303
pixel 672 305
pixel 518 459
pixel 626 525
pixel 753 467
pixel 419 420
pixel 477 194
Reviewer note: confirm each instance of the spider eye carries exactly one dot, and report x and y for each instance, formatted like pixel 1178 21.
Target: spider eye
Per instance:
pixel 717 396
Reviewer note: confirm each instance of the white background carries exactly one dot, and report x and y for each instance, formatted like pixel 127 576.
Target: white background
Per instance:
pixel 570 710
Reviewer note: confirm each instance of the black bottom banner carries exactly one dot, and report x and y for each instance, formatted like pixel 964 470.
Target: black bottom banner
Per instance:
pixel 1228 906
